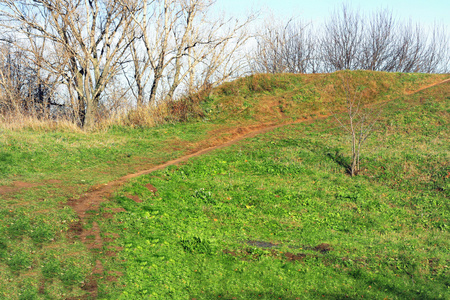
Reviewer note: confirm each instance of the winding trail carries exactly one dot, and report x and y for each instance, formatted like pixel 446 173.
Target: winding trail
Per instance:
pixel 428 86
pixel 91 200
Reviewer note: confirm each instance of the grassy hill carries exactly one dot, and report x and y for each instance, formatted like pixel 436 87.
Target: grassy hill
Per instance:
pixel 276 97
pixel 274 216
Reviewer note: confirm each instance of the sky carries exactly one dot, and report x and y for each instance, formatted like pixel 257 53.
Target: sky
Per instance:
pixel 423 11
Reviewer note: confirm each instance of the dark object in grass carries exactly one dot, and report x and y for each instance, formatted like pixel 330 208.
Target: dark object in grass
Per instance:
pixel 294 257
pixel 323 248
pixel 249 255
pixel 90 286
pixel 261 244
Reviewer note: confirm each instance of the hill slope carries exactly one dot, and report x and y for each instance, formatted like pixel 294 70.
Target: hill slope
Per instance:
pixel 274 216
pixel 283 97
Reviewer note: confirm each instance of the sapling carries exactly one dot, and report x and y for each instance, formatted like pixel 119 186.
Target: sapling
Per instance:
pixel 358 121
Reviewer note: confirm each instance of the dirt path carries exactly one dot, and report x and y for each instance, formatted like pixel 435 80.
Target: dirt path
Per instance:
pixel 100 193
pixel 91 200
pixel 428 86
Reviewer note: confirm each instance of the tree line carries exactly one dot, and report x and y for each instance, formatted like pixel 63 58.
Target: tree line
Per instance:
pixel 84 58
pixel 349 40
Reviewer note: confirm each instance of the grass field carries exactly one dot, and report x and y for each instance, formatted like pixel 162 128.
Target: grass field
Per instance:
pixel 271 217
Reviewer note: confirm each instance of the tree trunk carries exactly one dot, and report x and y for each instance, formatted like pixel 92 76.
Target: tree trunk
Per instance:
pixel 91 113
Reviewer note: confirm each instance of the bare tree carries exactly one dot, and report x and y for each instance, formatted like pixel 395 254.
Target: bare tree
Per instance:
pixel 438 54
pixel 86 43
pixel 378 41
pixel 209 50
pixel 282 48
pixel 358 121
pixel 409 49
pixel 267 58
pixel 12 79
pixel 179 43
pixel 219 61
pixel 154 22
pixel 351 41
pixel 416 51
pixel 341 40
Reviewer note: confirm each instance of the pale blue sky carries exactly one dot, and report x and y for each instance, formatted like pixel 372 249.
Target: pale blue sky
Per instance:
pixel 424 11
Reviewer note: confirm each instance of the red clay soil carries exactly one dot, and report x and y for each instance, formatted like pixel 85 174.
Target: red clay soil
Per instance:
pixel 16 186
pixel 91 200
pixel 151 188
pixel 20 185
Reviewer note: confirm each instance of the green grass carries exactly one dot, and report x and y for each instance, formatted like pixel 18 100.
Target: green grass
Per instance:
pixel 31 155
pixel 246 222
pixel 226 225
pixel 38 258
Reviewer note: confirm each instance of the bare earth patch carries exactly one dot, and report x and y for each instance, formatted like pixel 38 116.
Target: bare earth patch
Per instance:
pixel 16 187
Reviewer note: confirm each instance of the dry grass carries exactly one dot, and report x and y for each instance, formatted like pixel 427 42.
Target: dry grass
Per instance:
pixel 20 121
pixel 300 95
pixel 171 111
pixel 152 115
pixel 146 116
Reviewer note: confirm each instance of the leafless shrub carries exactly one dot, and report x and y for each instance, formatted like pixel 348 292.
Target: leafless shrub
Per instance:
pixel 358 121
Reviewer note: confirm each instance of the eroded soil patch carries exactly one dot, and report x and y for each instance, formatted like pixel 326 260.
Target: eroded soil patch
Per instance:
pixel 16 187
